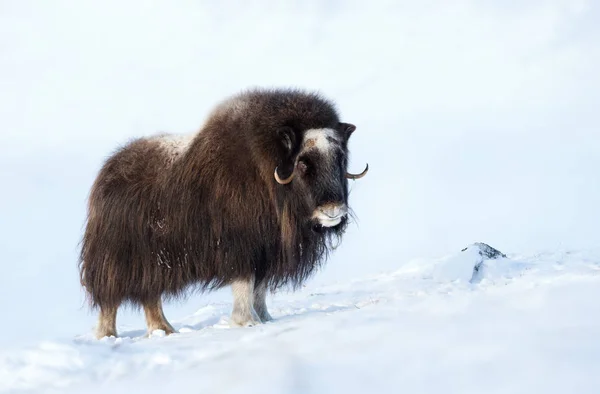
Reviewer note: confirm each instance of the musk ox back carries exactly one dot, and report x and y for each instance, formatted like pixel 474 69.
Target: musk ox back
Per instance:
pixel 252 201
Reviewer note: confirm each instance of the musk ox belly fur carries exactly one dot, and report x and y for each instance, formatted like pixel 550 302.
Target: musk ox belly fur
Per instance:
pixel 168 213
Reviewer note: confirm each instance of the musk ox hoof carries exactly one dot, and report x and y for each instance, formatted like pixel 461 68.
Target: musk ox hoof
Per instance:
pixel 248 323
pixel 244 319
pixel 264 316
pixel 102 335
pixel 160 333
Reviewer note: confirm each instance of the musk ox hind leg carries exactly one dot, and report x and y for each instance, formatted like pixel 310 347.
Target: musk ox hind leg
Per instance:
pixel 260 301
pixel 155 318
pixel 243 314
pixel 107 323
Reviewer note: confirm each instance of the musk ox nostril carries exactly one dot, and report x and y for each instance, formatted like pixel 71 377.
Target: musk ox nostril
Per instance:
pixel 333 211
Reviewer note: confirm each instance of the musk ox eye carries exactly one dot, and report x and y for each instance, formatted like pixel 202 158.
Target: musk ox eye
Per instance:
pixel 302 166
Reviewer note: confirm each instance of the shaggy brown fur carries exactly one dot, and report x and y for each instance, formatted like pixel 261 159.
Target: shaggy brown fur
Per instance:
pixel 164 220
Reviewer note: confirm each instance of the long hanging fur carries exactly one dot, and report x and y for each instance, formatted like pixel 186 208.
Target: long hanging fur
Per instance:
pixel 163 219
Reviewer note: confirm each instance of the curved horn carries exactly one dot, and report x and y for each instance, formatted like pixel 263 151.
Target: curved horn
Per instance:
pixel 283 181
pixel 358 176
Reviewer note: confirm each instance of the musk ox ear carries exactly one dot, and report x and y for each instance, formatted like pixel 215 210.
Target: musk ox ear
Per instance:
pixel 347 129
pixel 284 172
pixel 287 137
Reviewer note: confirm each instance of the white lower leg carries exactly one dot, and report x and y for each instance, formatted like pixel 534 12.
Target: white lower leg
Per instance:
pixel 107 323
pixel 243 303
pixel 260 302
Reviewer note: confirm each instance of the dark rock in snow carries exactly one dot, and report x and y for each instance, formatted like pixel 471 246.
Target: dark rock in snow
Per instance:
pixel 485 252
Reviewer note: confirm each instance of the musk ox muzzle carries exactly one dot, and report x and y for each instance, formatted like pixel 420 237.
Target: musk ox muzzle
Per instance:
pixel 330 215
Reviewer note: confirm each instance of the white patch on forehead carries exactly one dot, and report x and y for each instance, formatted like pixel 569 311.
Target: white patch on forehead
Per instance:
pixel 322 139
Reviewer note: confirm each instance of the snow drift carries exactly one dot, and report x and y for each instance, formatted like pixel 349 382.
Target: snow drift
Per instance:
pixel 528 324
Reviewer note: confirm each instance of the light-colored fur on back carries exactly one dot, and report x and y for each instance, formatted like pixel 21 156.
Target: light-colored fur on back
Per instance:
pixel 174 145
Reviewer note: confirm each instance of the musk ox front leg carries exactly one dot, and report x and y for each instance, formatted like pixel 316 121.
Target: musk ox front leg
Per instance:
pixel 243 314
pixel 155 317
pixel 260 301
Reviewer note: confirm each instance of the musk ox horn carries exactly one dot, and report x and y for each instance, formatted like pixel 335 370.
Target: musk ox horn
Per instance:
pixel 283 181
pixel 358 176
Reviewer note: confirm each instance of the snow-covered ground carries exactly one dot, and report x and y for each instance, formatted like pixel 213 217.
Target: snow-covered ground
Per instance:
pixel 479 121
pixel 522 324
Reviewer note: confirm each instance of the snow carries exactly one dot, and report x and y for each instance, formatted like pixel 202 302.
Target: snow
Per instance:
pixel 531 329
pixel 478 121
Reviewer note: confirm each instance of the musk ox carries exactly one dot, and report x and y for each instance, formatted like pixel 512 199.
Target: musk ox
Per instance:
pixel 253 200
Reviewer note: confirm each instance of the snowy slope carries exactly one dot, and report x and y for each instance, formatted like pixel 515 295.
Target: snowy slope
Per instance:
pixel 527 324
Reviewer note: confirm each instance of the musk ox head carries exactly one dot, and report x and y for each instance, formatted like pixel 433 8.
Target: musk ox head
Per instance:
pixel 315 169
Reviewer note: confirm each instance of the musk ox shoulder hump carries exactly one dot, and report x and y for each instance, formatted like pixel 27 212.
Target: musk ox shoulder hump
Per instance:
pixel 231 107
pixel 278 104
